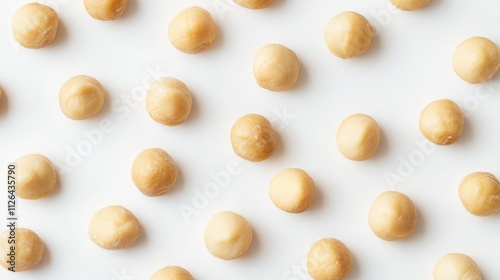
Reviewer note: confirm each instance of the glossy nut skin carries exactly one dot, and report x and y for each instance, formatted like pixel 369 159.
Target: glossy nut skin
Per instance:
pixel 476 60
pixel 105 9
pixel 253 138
pixel 192 31
pixel 29 249
pixel 358 137
pixel 292 190
pixel 36 177
pixel 154 172
pixel 442 122
pixel 228 235
pixel 169 101
pixel 254 4
pixel 276 67
pixel 81 97
pixel 329 259
pixel 348 34
pixel 172 273
pixel 479 192
pixel 409 5
pixel 35 25
pixel 456 266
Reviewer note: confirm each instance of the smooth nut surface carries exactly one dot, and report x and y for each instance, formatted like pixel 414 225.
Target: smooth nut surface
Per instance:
pixel 358 137
pixel 34 25
pixel 28 252
pixel 330 259
pixel 456 266
pixel 254 4
pixel 476 60
pixel 228 235
pixel 253 138
pixel 172 273
pixel 480 193
pixel 292 190
pixel 442 122
pixel 105 9
pixel 276 67
pixel 169 101
pixel 192 30
pixel 114 227
pixel 36 177
pixel 348 34
pixel 409 5
pixel 81 97
pixel 393 216
pixel 154 172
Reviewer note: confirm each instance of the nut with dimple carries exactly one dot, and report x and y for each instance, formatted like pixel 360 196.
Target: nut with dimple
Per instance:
pixel 456 266
pixel 253 138
pixel 330 259
pixel 228 235
pixel 292 190
pixel 81 97
pixel 358 137
pixel 154 172
pixel 409 5
pixel 34 25
pixel 29 249
pixel 169 101
pixel 254 4
pixel 105 9
pixel 442 122
pixel 276 67
pixel 480 193
pixel 476 60
pixel 36 176
pixel 172 273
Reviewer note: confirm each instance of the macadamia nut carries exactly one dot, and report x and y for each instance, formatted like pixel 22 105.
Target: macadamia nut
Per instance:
pixel 358 137
pixel 456 267
pixel 36 176
pixel 409 5
pixel 480 193
pixel 292 190
pixel 254 4
pixel 114 227
pixel 228 235
pixel 192 30
pixel 28 251
pixel 393 216
pixel 154 172
pixel 81 97
pixel 168 101
pixel 172 273
pixel 253 138
pixel 330 259
pixel 34 25
pixel 476 60
pixel 442 122
pixel 276 67
pixel 348 34
pixel 105 9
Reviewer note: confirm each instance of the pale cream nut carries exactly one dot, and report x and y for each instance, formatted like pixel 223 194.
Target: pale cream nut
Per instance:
pixel 228 235
pixel 36 177
pixel 105 9
pixel 330 259
pixel 358 137
pixel 154 172
pixel 114 227
pixel 480 193
pixel 28 251
pixel 393 216
pixel 192 30
pixel 292 190
pixel 456 266
pixel 442 122
pixel 276 67
pixel 348 34
pixel 172 273
pixel 34 25
pixel 409 5
pixel 476 60
pixel 253 138
pixel 169 101
pixel 81 97
pixel 254 4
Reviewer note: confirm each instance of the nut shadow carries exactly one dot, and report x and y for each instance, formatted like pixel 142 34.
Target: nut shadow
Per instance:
pixel 131 10
pixel 4 102
pixel 45 261
pixel 255 246
pixel 62 35
pixel 319 200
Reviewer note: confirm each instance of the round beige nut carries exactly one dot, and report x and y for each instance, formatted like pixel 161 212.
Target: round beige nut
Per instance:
pixel 154 172
pixel 254 4
pixel 28 251
pixel 253 138
pixel 358 137
pixel 480 193
pixel 348 34
pixel 393 216
pixel 456 267
pixel 276 67
pixel 34 25
pixel 442 122
pixel 330 259
pixel 81 97
pixel 172 273
pixel 105 9
pixel 192 30
pixel 228 235
pixel 168 101
pixel 114 227
pixel 292 190
pixel 409 5
pixel 36 176
pixel 476 60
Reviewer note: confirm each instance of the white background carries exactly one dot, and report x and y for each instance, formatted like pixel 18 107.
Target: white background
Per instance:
pixel 407 66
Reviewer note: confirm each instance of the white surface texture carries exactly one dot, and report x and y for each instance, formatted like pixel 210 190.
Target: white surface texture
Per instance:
pixel 407 66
